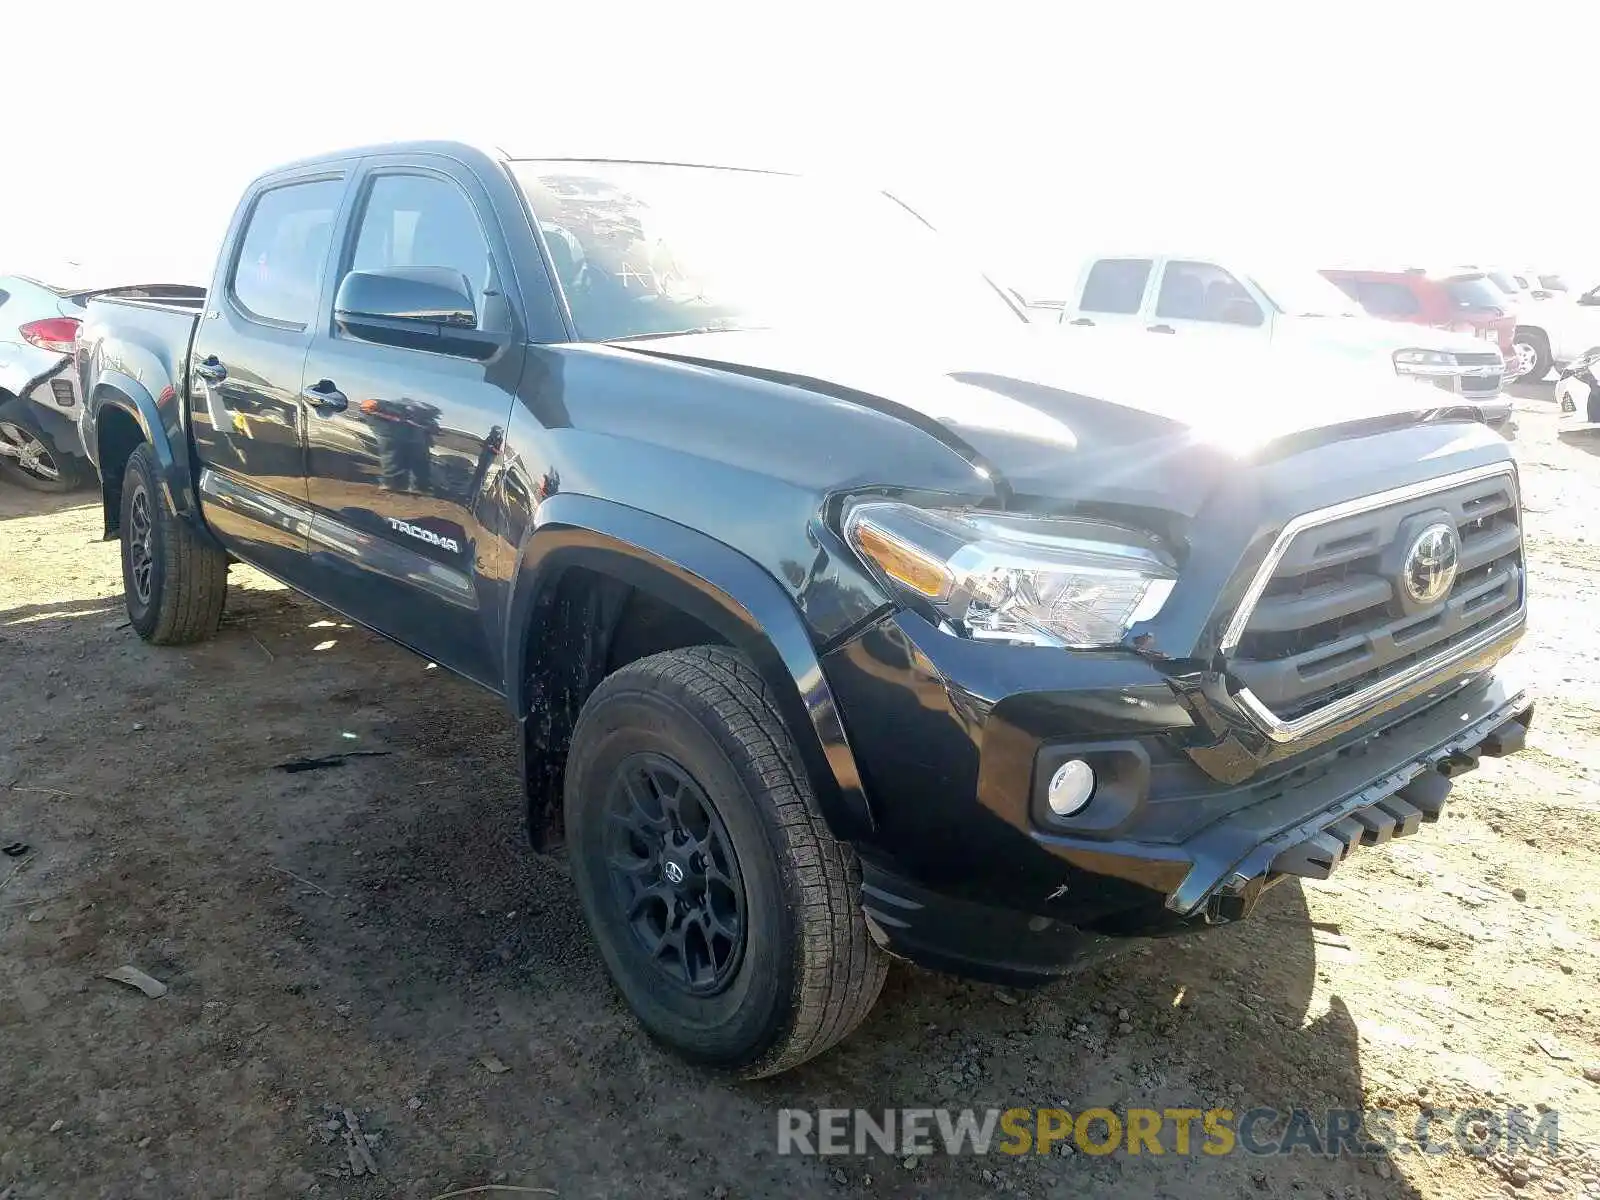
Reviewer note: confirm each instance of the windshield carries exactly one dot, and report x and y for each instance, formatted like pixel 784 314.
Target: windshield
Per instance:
pixel 1472 291
pixel 1303 292
pixel 646 249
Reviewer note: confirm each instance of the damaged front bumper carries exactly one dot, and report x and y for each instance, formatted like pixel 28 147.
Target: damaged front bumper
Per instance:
pixel 1237 858
pixel 978 878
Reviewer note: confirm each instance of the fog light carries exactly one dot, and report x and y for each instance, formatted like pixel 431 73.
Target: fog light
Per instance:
pixel 1071 787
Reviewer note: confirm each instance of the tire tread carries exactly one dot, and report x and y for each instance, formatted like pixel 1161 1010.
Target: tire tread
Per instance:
pixel 194 574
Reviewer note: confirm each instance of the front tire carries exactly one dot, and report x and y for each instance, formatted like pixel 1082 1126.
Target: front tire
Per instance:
pixel 728 916
pixel 173 582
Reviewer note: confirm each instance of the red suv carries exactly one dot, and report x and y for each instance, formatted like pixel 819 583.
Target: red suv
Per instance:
pixel 1465 301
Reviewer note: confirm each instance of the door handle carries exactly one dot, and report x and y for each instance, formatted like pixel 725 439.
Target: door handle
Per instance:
pixel 211 370
pixel 323 396
pixel 1080 321
pixel 1161 329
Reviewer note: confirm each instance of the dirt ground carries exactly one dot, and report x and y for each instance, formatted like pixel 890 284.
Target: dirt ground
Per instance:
pixel 376 937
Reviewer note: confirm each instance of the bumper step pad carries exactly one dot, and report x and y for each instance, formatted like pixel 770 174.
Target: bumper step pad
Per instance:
pixel 1399 815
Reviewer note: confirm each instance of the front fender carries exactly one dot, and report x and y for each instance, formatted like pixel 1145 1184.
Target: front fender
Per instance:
pixel 718 586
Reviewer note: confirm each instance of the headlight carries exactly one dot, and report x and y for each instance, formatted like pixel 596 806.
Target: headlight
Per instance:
pixel 1429 363
pixel 1048 582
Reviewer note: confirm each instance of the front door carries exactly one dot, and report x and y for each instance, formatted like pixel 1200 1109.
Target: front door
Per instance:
pixel 402 442
pixel 244 372
pixel 1203 297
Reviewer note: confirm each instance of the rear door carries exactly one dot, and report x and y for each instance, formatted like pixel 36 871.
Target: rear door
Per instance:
pixel 402 439
pixel 244 371
pixel 1111 292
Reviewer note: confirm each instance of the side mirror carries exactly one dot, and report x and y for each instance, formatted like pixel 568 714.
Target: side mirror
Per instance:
pixel 1590 299
pixel 414 295
pixel 1241 311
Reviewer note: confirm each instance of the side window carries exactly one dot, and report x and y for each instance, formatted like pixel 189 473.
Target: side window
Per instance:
pixel 1115 285
pixel 1197 291
pixel 422 221
pixel 1384 299
pixel 281 254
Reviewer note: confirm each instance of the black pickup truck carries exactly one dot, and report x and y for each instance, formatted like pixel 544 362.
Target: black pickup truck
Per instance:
pixel 843 613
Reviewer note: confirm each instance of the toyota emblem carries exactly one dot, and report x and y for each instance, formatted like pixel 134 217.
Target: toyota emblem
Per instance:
pixel 673 872
pixel 1430 565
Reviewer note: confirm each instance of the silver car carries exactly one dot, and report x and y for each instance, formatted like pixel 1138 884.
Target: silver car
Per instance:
pixel 39 402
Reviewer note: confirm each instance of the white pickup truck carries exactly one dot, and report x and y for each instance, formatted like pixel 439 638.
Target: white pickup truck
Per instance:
pixel 1212 297
pixel 1558 331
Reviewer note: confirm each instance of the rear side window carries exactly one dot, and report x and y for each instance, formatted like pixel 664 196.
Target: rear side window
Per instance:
pixel 422 221
pixel 1384 299
pixel 283 249
pixel 1115 285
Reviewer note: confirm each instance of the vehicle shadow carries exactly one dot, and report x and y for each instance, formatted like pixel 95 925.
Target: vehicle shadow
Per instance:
pixel 1544 389
pixel 87 606
pixel 18 501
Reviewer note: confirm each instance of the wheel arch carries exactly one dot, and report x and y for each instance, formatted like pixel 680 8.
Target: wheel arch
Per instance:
pixel 126 415
pixel 714 587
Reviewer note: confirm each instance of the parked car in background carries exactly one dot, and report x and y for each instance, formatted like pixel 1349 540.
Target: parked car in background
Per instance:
pixel 1569 327
pixel 1525 294
pixel 1578 395
pixel 1193 295
pixel 40 446
pixel 1461 301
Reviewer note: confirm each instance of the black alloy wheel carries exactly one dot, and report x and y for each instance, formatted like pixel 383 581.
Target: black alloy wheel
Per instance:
pixel 675 874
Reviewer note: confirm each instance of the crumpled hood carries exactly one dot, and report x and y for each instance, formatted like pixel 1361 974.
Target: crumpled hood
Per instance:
pixel 1117 417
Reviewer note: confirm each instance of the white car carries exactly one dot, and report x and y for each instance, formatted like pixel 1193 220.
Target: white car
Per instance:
pixel 1578 395
pixel 40 446
pixel 1294 308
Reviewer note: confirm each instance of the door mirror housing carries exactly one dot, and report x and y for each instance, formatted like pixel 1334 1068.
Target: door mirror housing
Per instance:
pixel 418 295
pixel 420 308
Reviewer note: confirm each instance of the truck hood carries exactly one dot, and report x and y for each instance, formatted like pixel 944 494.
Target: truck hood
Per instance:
pixel 1122 418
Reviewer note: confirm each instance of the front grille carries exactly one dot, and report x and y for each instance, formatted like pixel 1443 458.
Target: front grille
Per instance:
pixel 1480 385
pixel 1333 618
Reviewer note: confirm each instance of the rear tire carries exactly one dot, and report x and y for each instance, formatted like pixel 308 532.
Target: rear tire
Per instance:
pixel 47 469
pixel 778 965
pixel 173 581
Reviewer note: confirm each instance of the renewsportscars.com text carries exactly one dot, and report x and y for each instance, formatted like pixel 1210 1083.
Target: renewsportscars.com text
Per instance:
pixel 1158 1131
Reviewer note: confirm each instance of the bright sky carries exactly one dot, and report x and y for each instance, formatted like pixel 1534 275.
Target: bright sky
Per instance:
pixel 1402 130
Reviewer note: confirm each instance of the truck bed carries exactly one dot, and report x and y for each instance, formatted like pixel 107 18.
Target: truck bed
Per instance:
pixel 178 297
pixel 139 345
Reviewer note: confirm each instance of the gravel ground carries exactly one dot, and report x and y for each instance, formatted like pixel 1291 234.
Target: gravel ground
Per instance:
pixel 376 940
